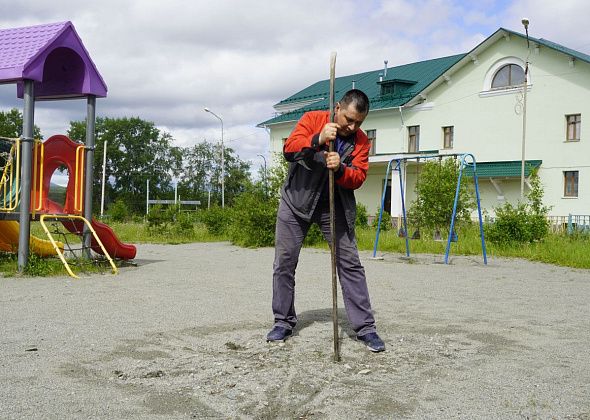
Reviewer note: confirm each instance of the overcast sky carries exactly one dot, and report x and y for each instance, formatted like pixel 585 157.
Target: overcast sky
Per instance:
pixel 164 61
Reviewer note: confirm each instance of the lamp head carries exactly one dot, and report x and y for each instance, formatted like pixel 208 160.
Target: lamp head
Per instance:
pixel 525 23
pixel 206 109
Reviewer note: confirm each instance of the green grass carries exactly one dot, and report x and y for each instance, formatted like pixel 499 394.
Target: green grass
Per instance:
pixel 563 250
pixel 44 267
pixel 555 249
pixel 133 232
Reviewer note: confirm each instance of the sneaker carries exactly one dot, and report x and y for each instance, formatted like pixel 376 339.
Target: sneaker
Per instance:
pixel 278 334
pixel 372 341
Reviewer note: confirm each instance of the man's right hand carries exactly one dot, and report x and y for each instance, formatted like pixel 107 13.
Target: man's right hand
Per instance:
pixel 328 133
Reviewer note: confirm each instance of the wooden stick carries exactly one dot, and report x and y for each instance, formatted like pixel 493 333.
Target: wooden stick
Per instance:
pixel 333 219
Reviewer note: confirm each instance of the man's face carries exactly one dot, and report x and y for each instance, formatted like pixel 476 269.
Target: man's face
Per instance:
pixel 348 119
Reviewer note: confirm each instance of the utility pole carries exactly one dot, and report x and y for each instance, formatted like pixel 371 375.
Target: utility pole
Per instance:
pixel 222 158
pixel 525 23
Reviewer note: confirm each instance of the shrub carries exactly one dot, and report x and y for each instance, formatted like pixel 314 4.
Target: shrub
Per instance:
pixel 511 225
pixel 183 224
pixel 524 222
pixel 216 219
pixel 385 221
pixel 158 219
pixel 253 220
pixel 362 217
pixel 119 211
pixel 314 236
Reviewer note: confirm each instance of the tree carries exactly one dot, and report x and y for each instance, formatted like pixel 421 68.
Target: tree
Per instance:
pixel 11 124
pixel 435 190
pixel 136 151
pixel 237 175
pixel 277 173
pixel 201 173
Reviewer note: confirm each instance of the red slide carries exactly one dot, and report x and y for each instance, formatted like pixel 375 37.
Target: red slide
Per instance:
pixel 60 150
pixel 107 236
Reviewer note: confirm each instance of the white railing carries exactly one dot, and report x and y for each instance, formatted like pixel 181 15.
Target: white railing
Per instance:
pixel 569 223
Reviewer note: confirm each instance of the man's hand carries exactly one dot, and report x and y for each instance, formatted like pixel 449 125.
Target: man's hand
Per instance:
pixel 328 133
pixel 332 160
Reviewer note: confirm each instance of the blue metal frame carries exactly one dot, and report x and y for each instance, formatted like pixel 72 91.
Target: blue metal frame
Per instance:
pixel 401 188
pixel 452 227
pixel 398 168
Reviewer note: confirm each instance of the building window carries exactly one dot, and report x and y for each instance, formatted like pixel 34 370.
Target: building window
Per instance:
pixel 508 76
pixel 574 123
pixel 413 138
pixel 372 135
pixel 570 184
pixel 387 89
pixel 448 134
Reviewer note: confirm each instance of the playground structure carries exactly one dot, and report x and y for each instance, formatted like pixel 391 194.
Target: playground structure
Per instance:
pixel 49 62
pixel 465 160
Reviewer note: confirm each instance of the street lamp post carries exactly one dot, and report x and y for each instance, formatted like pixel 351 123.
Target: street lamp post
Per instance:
pixel 525 23
pixel 222 158
pixel 265 178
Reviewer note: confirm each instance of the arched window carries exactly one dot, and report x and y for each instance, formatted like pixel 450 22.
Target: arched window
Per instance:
pixel 507 76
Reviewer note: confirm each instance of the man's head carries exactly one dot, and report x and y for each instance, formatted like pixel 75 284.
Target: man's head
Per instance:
pixel 351 111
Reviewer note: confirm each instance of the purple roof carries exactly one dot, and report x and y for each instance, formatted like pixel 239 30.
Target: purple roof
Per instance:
pixel 54 57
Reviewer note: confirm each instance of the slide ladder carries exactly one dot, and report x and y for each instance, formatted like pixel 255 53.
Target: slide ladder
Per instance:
pixel 71 217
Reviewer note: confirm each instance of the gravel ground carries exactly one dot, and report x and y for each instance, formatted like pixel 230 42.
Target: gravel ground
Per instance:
pixel 182 336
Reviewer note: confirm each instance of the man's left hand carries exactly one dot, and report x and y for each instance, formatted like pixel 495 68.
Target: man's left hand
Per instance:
pixel 332 160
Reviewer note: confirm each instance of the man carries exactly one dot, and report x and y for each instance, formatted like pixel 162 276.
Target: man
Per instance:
pixel 305 200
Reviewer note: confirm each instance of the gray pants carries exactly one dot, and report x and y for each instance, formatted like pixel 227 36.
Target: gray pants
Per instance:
pixel 289 236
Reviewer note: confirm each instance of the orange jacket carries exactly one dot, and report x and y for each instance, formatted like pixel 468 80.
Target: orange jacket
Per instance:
pixel 303 141
pixel 308 174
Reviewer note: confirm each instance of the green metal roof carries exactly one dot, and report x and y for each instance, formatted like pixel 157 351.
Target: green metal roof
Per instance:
pixel 503 169
pixel 423 73
pixel 576 54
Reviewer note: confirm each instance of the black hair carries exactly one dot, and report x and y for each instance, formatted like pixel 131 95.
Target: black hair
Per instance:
pixel 358 98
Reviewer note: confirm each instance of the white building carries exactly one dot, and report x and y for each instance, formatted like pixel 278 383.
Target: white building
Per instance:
pixel 473 103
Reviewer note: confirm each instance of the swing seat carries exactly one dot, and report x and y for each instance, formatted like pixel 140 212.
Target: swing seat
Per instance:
pixel 454 237
pixel 416 234
pixel 437 236
pixel 401 233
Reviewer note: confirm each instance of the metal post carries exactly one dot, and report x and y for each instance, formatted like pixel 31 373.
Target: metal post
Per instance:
pixel 401 190
pixel 463 164
pixel 147 198
pixel 222 158
pixel 175 191
pixel 89 171
pixel 523 132
pixel 25 192
pixel 104 169
pixel 376 242
pixel 481 231
pixel 525 23
pixel 222 168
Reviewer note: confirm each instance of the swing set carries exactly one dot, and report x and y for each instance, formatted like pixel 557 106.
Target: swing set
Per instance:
pixel 466 160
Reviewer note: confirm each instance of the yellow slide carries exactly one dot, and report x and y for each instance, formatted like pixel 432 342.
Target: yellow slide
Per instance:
pixel 9 240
